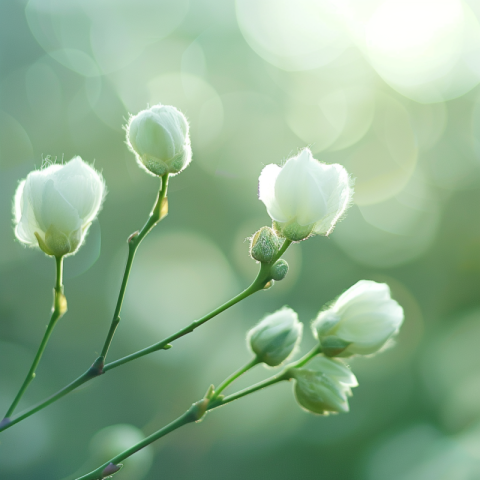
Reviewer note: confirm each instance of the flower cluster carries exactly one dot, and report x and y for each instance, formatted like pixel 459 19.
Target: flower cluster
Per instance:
pixel 55 206
pixel 361 321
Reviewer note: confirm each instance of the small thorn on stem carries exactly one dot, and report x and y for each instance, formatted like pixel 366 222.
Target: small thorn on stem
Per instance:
pixel 132 236
pixel 4 422
pixel 110 469
pixel 97 366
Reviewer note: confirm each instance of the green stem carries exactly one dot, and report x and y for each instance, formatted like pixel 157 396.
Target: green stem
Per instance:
pixel 112 466
pixel 234 376
pixel 159 211
pixel 302 361
pixel 257 285
pixel 195 413
pixel 99 367
pixel 283 375
pixel 59 309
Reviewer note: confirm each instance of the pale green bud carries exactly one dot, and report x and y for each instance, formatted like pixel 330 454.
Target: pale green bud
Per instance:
pixel 55 206
pixel 361 321
pixel 160 140
pixel 323 385
pixel 275 338
pixel 305 197
pixel 264 245
pixel 279 270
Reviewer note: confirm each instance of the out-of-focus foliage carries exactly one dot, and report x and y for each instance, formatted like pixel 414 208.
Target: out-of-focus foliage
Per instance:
pixel 387 88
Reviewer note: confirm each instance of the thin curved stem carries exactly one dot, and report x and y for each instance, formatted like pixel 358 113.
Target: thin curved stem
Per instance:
pixel 234 376
pixel 194 413
pixel 159 212
pixel 113 465
pixel 99 367
pixel 59 309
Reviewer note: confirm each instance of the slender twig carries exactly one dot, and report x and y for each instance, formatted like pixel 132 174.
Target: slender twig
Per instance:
pixel 234 376
pixel 159 211
pixel 59 309
pixel 195 413
pixel 99 368
pixel 198 410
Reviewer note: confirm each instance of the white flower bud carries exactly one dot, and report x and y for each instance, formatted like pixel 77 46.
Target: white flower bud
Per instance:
pixel 305 196
pixel 54 206
pixel 360 321
pixel 159 139
pixel 323 385
pixel 264 245
pixel 275 338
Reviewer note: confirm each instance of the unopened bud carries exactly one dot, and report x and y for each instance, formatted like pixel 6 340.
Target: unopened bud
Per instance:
pixel 323 385
pixel 160 140
pixel 265 245
pixel 279 270
pixel 275 338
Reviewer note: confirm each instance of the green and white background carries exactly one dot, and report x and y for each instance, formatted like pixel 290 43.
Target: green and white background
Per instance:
pixel 387 88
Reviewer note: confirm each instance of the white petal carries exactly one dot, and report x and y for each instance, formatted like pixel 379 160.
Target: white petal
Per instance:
pixel 24 217
pixel 266 192
pixel 82 187
pixel 57 211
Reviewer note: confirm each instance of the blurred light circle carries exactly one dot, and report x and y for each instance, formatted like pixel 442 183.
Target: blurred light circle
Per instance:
pixel 177 278
pixel 384 161
pixel 44 91
pixel 428 122
pixel 121 29
pixel 254 133
pixel 93 38
pixel 392 232
pixel 423 48
pixel 451 370
pixel 111 441
pixel 298 35
pixel 341 118
pixel 15 145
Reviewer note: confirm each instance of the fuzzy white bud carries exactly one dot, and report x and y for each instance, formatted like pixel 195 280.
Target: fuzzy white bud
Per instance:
pixel 323 385
pixel 360 321
pixel 275 337
pixel 54 206
pixel 159 139
pixel 305 197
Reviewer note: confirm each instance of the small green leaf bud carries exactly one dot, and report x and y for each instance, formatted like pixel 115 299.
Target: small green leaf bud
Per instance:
pixel 275 338
pixel 323 385
pixel 264 245
pixel 279 270
pixel 333 346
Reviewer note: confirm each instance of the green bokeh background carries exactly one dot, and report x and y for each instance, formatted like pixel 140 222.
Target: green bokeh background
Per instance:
pixel 70 74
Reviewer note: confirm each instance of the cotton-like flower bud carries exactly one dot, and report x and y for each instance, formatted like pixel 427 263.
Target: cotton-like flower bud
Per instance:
pixel 265 245
pixel 323 385
pixel 305 197
pixel 360 321
pixel 159 139
pixel 54 206
pixel 279 270
pixel 275 338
